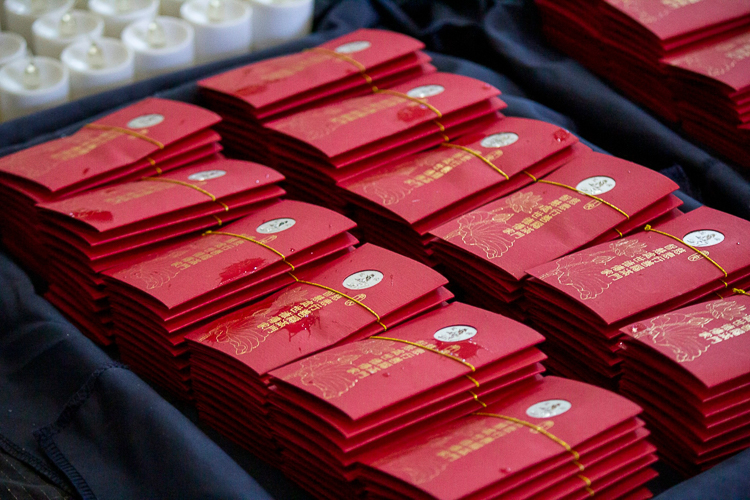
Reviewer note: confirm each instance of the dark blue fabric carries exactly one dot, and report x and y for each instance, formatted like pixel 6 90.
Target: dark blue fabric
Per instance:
pixel 87 424
pixel 102 430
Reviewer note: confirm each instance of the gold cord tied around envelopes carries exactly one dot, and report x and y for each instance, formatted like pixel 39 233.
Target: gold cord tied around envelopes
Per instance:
pixel 478 155
pixel 187 184
pixel 703 254
pixel 342 294
pixel 576 456
pixel 363 72
pixel 125 131
pixel 283 259
pixel 253 240
pixel 447 355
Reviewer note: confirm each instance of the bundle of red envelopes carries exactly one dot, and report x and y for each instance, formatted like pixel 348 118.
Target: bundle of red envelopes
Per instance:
pixel 591 199
pixel 331 408
pixel 317 148
pixel 400 202
pixel 712 87
pixel 158 297
pixel 689 370
pixel 352 297
pixel 581 301
pixel 346 66
pixel 146 138
pixel 95 230
pixel 635 35
pixel 560 439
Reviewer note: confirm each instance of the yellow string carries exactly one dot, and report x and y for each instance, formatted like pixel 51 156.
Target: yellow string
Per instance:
pixel 447 355
pixel 478 155
pixel 252 240
pixel 649 228
pixel 361 67
pixel 546 433
pixel 217 220
pixel 361 304
pixel 739 291
pixel 618 232
pixel 126 131
pixel 428 348
pixel 532 177
pixel 585 194
pixel 187 184
pixel 363 72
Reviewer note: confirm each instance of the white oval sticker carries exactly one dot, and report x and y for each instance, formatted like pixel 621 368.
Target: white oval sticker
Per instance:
pixel 499 140
pixel 352 47
pixel 703 238
pixel 276 225
pixel 146 121
pixel 455 333
pixel 596 185
pixel 426 91
pixel 549 408
pixel 206 175
pixel 363 279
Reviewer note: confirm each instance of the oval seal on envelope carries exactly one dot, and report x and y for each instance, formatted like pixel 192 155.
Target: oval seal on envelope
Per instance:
pixel 455 333
pixel 276 225
pixel 363 279
pixel 549 408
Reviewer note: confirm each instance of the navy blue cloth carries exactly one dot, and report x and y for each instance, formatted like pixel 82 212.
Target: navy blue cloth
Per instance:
pixel 85 423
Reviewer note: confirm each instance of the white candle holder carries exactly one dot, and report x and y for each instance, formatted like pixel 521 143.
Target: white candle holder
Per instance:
pixel 53 32
pixel 170 7
pixel 19 15
pixel 279 21
pixel 116 19
pixel 110 66
pixel 32 84
pixel 219 36
pixel 160 46
pixel 12 46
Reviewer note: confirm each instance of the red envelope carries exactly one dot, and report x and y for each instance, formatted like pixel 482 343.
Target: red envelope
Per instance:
pixel 504 454
pixel 707 409
pixel 153 135
pixel 92 231
pixel 544 221
pixel 380 287
pixel 403 382
pixel 270 86
pixel 649 272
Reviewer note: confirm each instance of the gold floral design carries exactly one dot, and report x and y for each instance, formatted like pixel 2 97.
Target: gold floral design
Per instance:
pixel 329 373
pixel 581 271
pixel 523 202
pixel 627 248
pixel 157 272
pixel 389 187
pixel 685 333
pixel 484 230
pixel 243 333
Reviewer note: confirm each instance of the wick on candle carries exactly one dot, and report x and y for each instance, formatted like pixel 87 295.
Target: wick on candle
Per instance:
pixel 123 6
pixel 67 25
pixel 215 11
pixel 155 35
pixel 95 56
pixel 31 78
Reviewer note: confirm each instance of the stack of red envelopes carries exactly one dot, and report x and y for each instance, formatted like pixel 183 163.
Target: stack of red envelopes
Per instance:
pixel 575 28
pixel 712 87
pixel 158 297
pixel 95 230
pixel 689 371
pixel 560 439
pixel 581 301
pixel 146 138
pixel 317 148
pixel 350 298
pixel 486 252
pixel 636 35
pixel 346 66
pixel 409 197
pixel 331 408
